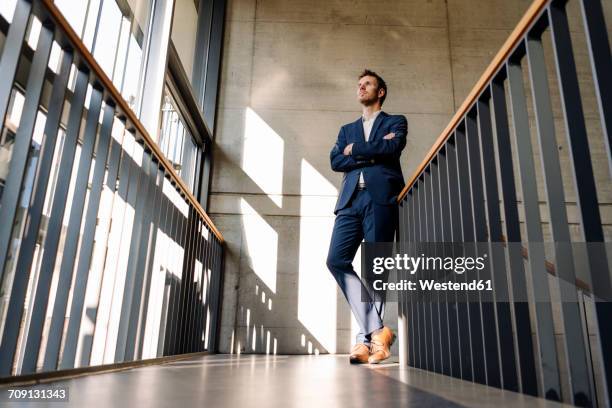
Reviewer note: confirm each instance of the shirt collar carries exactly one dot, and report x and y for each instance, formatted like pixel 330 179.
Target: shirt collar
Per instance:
pixel 373 117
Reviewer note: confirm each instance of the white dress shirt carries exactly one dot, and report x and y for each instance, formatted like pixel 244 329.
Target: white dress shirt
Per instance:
pixel 367 128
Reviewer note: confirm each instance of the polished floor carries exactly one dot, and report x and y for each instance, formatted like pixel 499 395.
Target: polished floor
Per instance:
pixel 323 381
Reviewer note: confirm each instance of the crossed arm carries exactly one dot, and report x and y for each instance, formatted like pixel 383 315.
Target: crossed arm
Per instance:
pixel 341 162
pixel 346 157
pixel 389 146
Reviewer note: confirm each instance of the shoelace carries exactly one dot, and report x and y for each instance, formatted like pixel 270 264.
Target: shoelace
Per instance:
pixel 376 346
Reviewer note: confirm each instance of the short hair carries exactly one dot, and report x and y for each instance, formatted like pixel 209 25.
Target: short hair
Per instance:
pixel 381 82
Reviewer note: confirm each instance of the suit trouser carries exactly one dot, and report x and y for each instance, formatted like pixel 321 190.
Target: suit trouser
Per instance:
pixel 362 219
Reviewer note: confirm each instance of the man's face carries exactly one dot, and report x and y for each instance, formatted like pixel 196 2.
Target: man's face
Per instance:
pixel 367 91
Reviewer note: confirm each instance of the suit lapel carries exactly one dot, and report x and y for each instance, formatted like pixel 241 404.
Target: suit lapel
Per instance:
pixel 376 125
pixel 359 127
pixel 359 130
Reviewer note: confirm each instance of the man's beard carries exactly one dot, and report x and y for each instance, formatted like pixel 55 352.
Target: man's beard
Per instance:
pixel 369 102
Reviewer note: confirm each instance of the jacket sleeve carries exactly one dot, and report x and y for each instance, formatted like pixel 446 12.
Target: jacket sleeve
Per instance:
pixel 342 163
pixel 384 148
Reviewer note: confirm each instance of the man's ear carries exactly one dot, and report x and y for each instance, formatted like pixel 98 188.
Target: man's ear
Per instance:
pixel 381 92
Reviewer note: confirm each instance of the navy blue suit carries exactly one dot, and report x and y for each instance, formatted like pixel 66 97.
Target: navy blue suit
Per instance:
pixel 370 214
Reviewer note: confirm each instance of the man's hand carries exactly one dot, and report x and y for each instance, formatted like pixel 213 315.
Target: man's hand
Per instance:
pixel 348 150
pixel 389 136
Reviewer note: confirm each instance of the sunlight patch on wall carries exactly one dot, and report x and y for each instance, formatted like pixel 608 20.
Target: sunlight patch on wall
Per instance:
pixel 262 158
pixel 261 244
pixel 317 288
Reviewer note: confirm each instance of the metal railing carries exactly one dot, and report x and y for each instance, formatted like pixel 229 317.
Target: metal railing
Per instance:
pixel 106 256
pixel 466 191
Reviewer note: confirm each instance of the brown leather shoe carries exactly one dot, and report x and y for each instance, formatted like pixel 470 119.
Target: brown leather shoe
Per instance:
pixel 381 342
pixel 359 354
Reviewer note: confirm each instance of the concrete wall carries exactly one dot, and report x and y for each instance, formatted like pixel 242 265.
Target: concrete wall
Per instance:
pixel 288 83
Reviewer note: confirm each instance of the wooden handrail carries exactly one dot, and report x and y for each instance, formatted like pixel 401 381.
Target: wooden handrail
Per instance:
pixel 500 58
pixel 72 36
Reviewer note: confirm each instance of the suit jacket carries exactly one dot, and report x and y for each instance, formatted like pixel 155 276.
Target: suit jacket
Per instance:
pixel 378 159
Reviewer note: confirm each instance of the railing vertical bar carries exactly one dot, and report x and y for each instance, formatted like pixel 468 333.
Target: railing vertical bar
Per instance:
pixel 433 296
pixel 192 288
pixel 402 332
pixel 529 384
pixel 416 304
pixel 169 228
pixel 584 181
pixel 23 138
pixel 178 312
pixel 120 189
pixel 87 242
pixel 72 236
pixel 131 194
pixel 9 61
pixel 28 245
pixel 185 268
pixel 193 306
pixel 432 304
pixel 441 300
pixel 489 317
pixel 172 276
pixel 55 224
pixel 446 238
pixel 189 269
pixel 207 321
pixel 137 197
pixel 214 255
pixel 410 306
pixel 17 167
pixel 158 223
pixel 601 65
pixel 431 319
pixel 197 290
pixel 209 252
pixel 212 249
pixel 404 309
pixel 421 303
pixel 476 329
pixel 141 277
pixel 186 281
pixel 168 318
pixel 11 53
pixel 201 298
pixel 465 335
pixel 539 277
pixel 498 262
pixel 576 360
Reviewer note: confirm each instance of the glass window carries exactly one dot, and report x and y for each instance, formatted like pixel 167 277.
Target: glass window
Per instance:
pixel 105 46
pixel 7 8
pixel 89 31
pixel 176 141
pixel 75 13
pixel 116 32
pixel 184 30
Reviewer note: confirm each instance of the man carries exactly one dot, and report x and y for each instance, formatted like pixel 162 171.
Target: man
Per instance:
pixel 367 152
